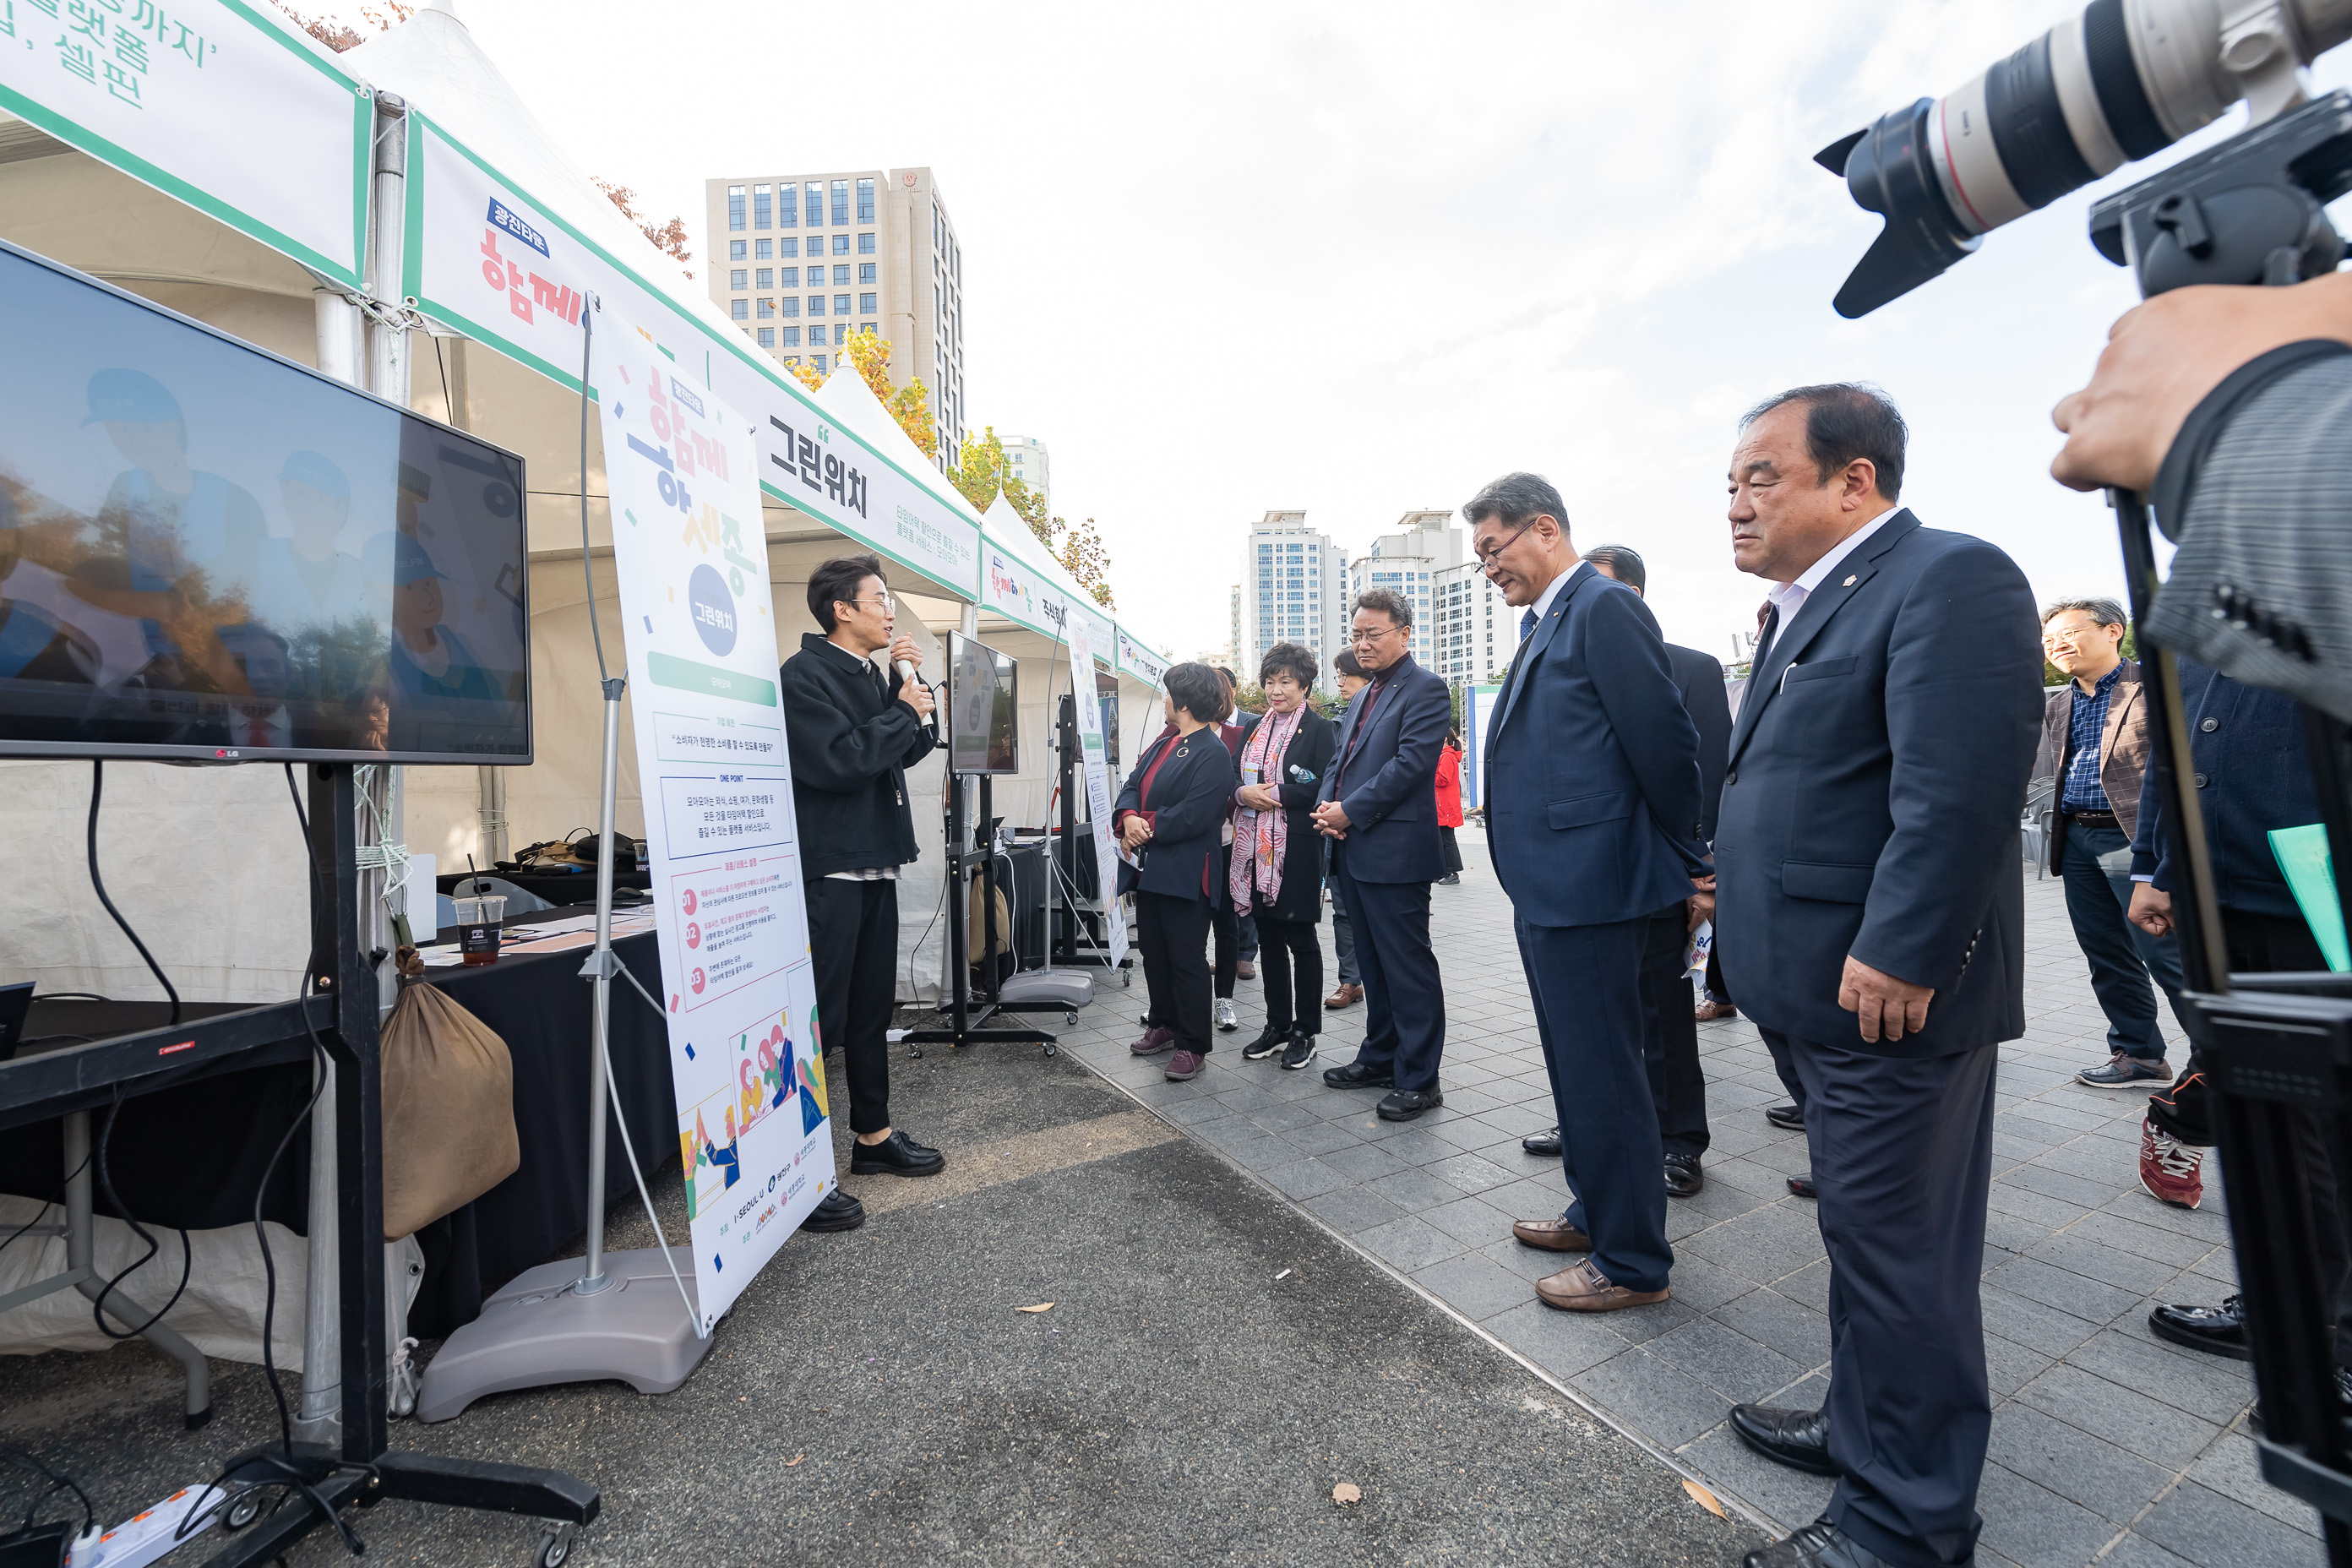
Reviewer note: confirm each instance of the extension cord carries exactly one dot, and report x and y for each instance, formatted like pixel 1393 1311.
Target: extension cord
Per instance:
pixel 144 1537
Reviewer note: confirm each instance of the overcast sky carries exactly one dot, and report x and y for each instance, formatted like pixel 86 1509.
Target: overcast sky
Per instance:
pixel 1225 258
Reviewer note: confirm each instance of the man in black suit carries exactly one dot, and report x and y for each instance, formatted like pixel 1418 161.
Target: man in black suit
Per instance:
pixel 1669 1022
pixel 1380 814
pixel 1871 908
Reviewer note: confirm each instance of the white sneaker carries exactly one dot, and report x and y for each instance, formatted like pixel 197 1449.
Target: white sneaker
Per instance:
pixel 1227 1019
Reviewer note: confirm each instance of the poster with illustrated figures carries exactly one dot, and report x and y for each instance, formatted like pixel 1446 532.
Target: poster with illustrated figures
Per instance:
pixel 745 1046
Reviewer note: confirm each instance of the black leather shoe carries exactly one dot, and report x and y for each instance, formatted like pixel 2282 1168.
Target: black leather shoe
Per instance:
pixel 1684 1178
pixel 1405 1104
pixel 1797 1439
pixel 1357 1075
pixel 896 1155
pixel 1803 1186
pixel 1544 1144
pixel 1787 1116
pixel 835 1211
pixel 1820 1544
pixel 2216 1330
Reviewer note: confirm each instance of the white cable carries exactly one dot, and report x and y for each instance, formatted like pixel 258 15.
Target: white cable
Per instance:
pixel 694 1319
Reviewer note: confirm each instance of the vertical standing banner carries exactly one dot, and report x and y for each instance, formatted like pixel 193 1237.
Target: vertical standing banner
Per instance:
pixel 1480 701
pixel 719 833
pixel 1090 744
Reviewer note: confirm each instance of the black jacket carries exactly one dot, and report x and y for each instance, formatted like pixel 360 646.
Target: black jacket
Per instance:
pixel 1299 768
pixel 1699 678
pixel 2253 773
pixel 1191 796
pixel 851 742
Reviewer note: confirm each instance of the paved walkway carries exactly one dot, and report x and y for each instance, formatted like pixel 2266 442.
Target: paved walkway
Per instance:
pixel 2108 1446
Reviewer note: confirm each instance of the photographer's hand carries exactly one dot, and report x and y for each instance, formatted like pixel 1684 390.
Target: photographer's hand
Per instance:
pixel 2161 359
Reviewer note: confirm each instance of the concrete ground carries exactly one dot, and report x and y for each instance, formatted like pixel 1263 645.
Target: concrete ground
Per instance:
pixel 2108 1446
pixel 1213 1362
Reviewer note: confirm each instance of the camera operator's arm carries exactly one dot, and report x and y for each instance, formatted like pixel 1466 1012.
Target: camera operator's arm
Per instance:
pixel 835 752
pixel 2165 356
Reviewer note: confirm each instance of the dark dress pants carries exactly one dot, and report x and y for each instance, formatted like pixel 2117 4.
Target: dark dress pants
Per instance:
pixel 1670 1034
pixel 1586 985
pixel 1343 940
pixel 2123 957
pixel 1405 1001
pixel 1174 933
pixel 854 950
pixel 1225 926
pixel 1902 1150
pixel 1290 961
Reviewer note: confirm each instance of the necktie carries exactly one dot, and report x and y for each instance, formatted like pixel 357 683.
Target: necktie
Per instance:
pixel 259 734
pixel 1511 676
pixel 1764 642
pixel 1528 623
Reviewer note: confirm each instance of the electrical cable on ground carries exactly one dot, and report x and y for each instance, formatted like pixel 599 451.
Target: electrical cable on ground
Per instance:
pixel 187 1251
pixel 58 1482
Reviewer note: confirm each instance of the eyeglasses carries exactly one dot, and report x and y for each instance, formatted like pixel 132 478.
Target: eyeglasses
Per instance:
pixel 886 602
pixel 1360 634
pixel 2066 637
pixel 1490 556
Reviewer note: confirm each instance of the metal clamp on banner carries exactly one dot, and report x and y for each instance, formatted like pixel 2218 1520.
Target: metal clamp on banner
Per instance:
pixel 601 964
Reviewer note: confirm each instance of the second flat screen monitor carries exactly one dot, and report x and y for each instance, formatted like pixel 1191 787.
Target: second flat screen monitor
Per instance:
pixel 982 708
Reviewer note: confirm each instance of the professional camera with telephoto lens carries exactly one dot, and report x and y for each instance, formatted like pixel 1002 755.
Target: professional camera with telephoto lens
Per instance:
pixel 2122 81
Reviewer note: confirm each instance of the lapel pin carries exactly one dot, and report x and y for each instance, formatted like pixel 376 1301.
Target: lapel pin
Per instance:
pixel 1849 581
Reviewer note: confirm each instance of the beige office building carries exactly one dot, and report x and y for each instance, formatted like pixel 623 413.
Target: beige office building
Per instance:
pixel 801 262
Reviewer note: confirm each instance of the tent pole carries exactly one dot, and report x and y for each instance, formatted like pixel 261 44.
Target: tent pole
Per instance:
pixel 592 1278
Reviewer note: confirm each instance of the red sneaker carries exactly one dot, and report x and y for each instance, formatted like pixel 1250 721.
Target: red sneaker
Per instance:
pixel 1185 1065
pixel 2169 1169
pixel 1155 1040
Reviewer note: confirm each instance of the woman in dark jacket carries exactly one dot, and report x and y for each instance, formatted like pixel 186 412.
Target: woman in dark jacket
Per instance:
pixel 1276 873
pixel 1171 815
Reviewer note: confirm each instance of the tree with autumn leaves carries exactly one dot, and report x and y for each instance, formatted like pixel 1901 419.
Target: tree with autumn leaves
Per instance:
pixel 983 474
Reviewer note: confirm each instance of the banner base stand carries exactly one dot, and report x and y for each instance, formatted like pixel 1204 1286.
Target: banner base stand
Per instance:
pixel 539 1330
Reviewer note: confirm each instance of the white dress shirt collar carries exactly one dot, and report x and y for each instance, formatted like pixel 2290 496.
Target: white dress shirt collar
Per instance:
pixel 1789 597
pixel 1544 601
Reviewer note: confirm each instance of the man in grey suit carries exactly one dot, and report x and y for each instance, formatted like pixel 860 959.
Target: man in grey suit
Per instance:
pixel 1871 902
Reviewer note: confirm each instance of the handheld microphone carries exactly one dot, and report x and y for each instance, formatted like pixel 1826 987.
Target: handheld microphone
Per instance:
pixel 906 668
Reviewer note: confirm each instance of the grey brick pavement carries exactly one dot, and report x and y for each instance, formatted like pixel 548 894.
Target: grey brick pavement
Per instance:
pixel 2108 1446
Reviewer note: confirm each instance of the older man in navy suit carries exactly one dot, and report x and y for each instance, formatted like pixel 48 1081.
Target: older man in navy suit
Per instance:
pixel 1872 914
pixel 1380 810
pixel 1594 810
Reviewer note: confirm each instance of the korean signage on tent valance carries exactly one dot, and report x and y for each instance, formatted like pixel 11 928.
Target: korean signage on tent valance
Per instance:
pixel 212 101
pixel 1139 661
pixel 487 259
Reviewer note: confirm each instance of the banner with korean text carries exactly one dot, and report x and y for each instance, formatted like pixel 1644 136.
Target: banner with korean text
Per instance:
pixel 487 259
pixel 215 102
pixel 746 1056
pixel 1136 660
pixel 1090 745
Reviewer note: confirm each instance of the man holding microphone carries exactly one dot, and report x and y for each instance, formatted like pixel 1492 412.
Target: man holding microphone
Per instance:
pixel 851 733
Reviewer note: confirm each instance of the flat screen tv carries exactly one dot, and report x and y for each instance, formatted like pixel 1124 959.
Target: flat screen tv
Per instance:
pixel 209 552
pixel 982 711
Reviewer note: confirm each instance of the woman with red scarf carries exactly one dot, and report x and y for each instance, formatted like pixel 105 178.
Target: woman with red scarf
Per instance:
pixel 1277 871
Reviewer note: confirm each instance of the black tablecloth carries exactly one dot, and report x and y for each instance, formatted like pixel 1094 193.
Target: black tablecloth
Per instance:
pixel 192 1155
pixel 556 887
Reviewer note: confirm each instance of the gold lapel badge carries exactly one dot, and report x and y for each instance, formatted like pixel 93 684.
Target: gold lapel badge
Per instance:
pixel 1848 582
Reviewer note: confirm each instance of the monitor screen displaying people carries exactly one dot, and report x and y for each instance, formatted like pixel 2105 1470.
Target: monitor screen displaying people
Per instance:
pixel 981 710
pixel 206 552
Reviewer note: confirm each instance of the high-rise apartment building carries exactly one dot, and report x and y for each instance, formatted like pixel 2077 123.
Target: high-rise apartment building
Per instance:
pixel 1473 633
pixel 1408 562
pixel 1294 588
pixel 810 258
pixel 1025 460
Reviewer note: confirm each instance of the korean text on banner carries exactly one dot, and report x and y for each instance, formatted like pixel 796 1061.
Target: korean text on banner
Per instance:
pixel 504 268
pixel 184 97
pixel 744 1050
pixel 1139 661
pixel 1091 743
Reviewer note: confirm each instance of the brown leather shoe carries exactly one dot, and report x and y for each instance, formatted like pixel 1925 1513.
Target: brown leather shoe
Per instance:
pixel 1551 1235
pixel 1584 1289
pixel 1346 996
pixel 1708 1012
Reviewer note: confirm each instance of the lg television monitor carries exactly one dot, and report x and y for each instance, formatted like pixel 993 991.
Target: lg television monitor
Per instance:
pixel 982 708
pixel 209 552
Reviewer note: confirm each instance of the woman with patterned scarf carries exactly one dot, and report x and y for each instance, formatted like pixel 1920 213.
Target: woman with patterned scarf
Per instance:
pixel 1276 872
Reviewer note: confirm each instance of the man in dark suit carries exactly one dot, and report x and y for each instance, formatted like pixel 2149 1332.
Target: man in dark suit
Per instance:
pixel 1872 913
pixel 1592 818
pixel 1669 1020
pixel 1380 814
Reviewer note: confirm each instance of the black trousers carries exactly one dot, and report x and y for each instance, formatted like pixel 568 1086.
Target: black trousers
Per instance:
pixel 2123 958
pixel 1290 961
pixel 1902 1150
pixel 1453 850
pixel 1226 927
pixel 1173 934
pixel 1404 997
pixel 1670 1034
pixel 854 948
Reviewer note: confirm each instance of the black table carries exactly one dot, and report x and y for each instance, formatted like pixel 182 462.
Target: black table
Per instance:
pixel 557 888
pixel 191 1154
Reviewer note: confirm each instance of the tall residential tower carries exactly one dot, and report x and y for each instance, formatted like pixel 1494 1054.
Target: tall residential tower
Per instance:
pixel 811 259
pixel 1294 588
